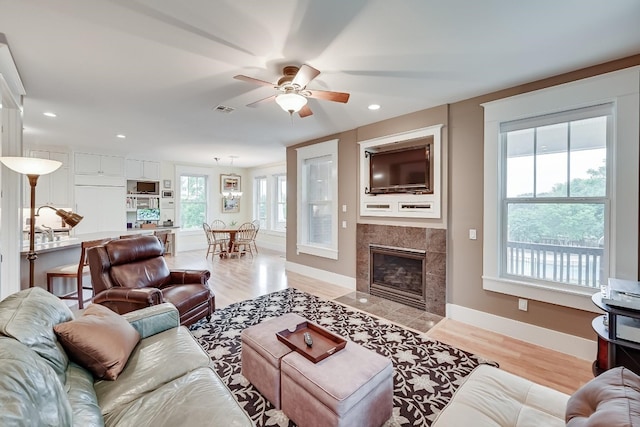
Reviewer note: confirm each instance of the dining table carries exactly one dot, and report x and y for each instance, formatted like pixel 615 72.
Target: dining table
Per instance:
pixel 232 236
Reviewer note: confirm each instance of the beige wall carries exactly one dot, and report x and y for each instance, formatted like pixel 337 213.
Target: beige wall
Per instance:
pixel 408 122
pixel 462 203
pixel 464 281
pixel 347 195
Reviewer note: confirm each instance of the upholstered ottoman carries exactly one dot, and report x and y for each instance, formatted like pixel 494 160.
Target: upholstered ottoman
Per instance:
pixel 261 354
pixel 353 387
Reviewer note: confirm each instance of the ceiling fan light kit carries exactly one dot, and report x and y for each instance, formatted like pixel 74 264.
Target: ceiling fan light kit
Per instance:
pixel 293 90
pixel 291 102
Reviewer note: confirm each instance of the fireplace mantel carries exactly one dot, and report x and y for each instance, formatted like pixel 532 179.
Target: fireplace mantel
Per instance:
pixel 429 241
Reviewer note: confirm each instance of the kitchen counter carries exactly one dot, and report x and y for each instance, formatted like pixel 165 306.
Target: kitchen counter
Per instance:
pixel 67 251
pixel 76 241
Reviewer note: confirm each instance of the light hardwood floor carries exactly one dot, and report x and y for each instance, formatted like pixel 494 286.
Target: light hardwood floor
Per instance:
pixel 236 279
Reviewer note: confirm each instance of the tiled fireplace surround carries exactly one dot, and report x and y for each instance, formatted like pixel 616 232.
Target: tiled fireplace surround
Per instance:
pixel 431 240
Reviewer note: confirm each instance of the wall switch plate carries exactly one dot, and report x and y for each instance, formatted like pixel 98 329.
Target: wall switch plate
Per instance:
pixel 472 234
pixel 344 208
pixel 523 304
pixel 344 224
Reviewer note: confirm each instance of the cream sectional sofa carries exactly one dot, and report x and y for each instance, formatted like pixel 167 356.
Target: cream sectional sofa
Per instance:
pixel 167 380
pixel 491 397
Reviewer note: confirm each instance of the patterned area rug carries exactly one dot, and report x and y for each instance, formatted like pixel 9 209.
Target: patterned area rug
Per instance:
pixel 426 372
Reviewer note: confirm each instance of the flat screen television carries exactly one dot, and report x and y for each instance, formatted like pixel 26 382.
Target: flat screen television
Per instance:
pixel 148 214
pixel 406 170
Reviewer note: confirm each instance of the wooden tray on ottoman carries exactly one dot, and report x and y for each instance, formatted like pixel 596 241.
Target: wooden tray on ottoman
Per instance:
pixel 324 345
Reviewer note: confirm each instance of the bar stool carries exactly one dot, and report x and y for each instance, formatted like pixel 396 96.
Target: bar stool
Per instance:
pixel 164 237
pixel 74 270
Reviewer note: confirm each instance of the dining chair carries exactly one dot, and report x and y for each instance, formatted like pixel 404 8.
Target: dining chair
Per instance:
pixel 218 223
pixel 244 236
pixel 209 236
pixel 221 237
pixel 216 243
pixel 77 271
pixel 256 223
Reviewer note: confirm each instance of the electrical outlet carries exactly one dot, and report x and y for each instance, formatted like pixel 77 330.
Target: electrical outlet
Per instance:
pixel 523 304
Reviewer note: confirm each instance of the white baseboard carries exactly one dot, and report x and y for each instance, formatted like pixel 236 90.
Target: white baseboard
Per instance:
pixel 271 246
pixel 559 341
pixel 326 276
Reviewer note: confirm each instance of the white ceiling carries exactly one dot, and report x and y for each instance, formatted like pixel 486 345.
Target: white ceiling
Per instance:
pixel 155 69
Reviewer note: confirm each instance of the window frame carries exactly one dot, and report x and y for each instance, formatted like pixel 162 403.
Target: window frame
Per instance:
pixel 322 149
pixel 622 89
pixel 601 110
pixel 182 202
pixel 257 202
pixel 279 199
pixel 211 198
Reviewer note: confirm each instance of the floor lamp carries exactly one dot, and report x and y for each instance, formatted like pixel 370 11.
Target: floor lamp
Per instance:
pixel 31 167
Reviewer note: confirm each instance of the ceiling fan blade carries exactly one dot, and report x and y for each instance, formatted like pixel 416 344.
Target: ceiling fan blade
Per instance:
pixel 262 101
pixel 252 80
pixel 329 96
pixel 305 74
pixel 305 111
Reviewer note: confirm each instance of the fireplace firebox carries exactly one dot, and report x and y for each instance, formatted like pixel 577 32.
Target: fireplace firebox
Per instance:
pixel 398 274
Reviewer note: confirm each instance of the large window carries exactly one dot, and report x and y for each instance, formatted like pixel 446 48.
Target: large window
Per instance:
pixel 280 205
pixel 318 199
pixel 193 201
pixel 555 205
pixel 260 200
pixel 270 201
pixel 561 189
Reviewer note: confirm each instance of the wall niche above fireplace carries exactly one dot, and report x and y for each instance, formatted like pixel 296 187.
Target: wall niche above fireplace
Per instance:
pixel 403 201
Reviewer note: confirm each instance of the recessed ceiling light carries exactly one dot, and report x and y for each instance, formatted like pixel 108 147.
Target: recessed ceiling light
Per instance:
pixel 121 136
pixel 49 114
pixel 374 107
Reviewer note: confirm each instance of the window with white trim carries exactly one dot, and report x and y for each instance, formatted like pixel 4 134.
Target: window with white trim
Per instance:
pixel 260 200
pixel 318 199
pixel 280 205
pixel 270 201
pixel 529 193
pixel 193 201
pixel 554 199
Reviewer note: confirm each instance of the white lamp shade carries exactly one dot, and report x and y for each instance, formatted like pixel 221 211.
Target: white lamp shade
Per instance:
pixel 291 102
pixel 30 165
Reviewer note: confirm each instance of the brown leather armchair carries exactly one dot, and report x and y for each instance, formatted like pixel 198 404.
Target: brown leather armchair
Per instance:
pixel 130 274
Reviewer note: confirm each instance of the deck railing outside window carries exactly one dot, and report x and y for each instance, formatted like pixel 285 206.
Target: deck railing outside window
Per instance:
pixel 575 265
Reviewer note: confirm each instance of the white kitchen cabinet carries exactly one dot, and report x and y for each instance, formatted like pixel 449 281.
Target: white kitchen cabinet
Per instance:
pixel 53 188
pixel 98 164
pixel 143 169
pixel 101 207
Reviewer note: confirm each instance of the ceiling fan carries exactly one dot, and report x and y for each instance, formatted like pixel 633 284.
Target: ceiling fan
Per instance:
pixel 292 92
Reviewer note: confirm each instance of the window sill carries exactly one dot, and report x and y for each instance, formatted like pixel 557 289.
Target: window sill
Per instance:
pixel 317 251
pixel 573 298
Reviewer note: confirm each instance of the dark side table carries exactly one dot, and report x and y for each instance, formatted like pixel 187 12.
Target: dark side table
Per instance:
pixel 617 345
